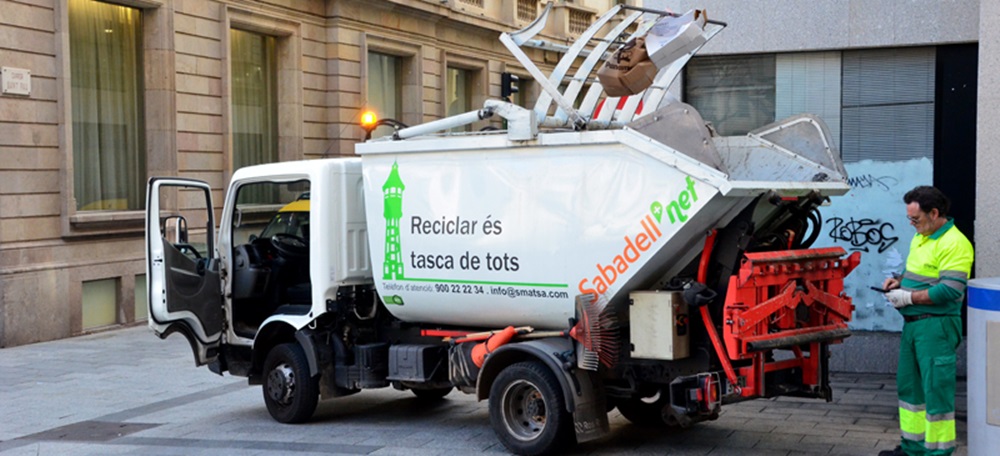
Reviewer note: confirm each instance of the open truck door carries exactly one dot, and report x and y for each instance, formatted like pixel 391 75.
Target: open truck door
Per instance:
pixel 184 286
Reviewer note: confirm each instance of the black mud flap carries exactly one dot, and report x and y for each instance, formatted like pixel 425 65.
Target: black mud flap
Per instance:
pixel 590 418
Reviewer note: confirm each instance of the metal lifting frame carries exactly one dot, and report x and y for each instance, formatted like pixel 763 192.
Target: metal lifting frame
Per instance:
pixel 787 299
pixel 569 116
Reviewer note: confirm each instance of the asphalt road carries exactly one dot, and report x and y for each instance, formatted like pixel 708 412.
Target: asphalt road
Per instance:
pixel 127 392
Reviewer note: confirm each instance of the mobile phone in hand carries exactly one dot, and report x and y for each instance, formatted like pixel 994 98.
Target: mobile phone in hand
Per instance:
pixel 880 290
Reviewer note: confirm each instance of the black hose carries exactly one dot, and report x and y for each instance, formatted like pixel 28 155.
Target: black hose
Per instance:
pixel 816 220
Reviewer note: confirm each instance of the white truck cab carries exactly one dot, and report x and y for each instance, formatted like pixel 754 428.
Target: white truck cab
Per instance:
pixel 238 283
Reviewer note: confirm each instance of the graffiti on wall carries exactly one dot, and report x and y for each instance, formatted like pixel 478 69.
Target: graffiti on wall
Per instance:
pixel 863 235
pixel 871 219
pixel 884 183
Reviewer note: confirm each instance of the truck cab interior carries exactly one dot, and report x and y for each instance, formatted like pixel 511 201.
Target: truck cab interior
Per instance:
pixel 270 269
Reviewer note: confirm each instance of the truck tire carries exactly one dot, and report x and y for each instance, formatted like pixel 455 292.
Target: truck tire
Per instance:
pixel 289 392
pixel 528 412
pixel 642 413
pixel 431 394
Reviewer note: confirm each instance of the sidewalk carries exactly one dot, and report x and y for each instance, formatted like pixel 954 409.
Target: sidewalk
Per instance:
pixel 127 392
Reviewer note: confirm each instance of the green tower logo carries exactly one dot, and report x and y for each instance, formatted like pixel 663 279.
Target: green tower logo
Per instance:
pixel 392 192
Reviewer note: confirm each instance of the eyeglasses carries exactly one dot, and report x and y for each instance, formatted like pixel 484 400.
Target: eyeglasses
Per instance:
pixel 920 216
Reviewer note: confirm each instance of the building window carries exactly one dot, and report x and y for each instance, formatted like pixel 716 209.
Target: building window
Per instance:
pixel 809 82
pixel 522 97
pixel 99 301
pixel 385 88
pixel 459 93
pixel 141 303
pixel 478 3
pixel 735 93
pixel 888 104
pixel 109 150
pixel 254 98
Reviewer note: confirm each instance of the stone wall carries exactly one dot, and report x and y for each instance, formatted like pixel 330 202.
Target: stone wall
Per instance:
pixel 988 143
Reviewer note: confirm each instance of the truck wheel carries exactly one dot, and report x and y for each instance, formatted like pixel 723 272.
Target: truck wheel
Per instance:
pixel 289 392
pixel 642 413
pixel 527 410
pixel 431 394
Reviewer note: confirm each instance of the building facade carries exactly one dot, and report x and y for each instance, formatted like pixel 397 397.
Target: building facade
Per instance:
pixel 104 95
pixel 123 90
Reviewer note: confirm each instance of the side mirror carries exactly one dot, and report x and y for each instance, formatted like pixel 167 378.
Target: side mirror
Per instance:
pixel 175 229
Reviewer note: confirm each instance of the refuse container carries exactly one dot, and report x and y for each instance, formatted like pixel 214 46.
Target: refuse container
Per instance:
pixel 984 366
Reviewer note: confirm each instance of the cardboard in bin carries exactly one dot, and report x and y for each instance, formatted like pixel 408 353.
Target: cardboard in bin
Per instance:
pixel 635 80
pixel 633 67
pixel 628 70
pixel 674 37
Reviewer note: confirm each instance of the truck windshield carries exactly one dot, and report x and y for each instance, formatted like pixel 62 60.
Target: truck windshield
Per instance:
pixel 296 223
pixel 264 209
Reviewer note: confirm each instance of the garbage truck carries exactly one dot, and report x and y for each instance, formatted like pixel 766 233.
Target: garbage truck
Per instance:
pixel 595 253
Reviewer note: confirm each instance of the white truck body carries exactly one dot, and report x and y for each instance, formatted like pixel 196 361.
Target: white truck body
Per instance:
pixel 494 231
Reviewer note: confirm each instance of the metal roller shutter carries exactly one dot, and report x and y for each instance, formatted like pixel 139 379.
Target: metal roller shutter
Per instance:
pixel 888 104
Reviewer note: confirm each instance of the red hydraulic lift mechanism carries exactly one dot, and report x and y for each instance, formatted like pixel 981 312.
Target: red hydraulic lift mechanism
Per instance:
pixel 784 299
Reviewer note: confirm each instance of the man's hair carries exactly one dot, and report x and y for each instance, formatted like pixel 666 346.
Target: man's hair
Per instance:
pixel 928 198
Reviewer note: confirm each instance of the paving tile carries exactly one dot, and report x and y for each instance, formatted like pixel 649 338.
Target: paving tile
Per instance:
pixel 801 445
pixel 199 413
pixel 849 449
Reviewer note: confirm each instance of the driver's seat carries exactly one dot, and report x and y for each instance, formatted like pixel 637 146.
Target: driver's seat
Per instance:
pixel 301 293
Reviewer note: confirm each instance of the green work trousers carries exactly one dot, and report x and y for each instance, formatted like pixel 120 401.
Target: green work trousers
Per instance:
pixel 926 384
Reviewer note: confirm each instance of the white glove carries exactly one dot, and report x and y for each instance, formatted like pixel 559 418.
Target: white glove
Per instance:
pixel 899 298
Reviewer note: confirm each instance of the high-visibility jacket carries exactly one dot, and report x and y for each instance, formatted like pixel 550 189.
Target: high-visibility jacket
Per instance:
pixel 940 263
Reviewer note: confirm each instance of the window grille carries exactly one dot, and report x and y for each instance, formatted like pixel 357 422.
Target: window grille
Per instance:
pixel 579 21
pixel 527 10
pixel 476 3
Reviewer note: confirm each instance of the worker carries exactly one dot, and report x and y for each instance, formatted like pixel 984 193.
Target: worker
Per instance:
pixel 929 297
